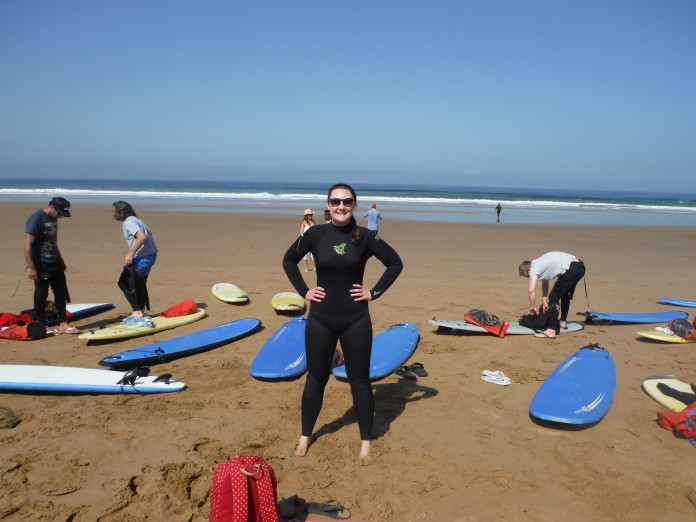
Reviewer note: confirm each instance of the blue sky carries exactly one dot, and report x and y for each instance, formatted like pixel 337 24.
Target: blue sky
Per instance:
pixel 478 93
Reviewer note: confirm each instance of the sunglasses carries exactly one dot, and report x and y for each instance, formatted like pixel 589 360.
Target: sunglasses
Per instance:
pixel 347 202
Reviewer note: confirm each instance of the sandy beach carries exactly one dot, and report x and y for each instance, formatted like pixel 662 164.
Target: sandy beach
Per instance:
pixel 447 447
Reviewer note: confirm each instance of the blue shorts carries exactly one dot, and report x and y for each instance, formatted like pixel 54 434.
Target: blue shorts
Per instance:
pixel 143 265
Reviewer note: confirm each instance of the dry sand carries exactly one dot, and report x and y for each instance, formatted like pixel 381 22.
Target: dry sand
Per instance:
pixel 447 447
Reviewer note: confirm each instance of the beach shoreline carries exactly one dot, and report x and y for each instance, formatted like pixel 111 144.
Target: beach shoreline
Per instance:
pixel 447 447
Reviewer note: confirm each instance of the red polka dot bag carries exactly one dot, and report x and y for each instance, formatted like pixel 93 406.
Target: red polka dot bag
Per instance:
pixel 244 490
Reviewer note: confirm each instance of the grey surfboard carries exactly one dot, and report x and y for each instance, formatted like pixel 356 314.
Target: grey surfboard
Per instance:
pixel 515 328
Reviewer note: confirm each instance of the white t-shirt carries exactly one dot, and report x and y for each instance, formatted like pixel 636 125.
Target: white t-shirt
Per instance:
pixel 551 265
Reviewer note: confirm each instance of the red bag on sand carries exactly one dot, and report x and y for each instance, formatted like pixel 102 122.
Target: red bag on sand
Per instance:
pixel 682 422
pixel 244 490
pixel 10 319
pixel 186 307
pixel 683 328
pixel 497 330
pixel 24 332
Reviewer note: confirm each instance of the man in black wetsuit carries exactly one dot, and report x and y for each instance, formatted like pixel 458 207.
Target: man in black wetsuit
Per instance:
pixel 339 308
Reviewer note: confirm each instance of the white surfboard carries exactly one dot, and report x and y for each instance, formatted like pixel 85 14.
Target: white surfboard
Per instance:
pixel 650 387
pixel 515 328
pixel 66 379
pixel 288 302
pixel 229 293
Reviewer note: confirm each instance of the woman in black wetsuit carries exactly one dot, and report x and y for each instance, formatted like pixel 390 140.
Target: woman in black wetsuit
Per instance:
pixel 339 309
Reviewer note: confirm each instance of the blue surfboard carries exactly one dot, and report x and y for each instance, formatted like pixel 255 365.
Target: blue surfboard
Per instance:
pixel 579 391
pixel 390 350
pixel 184 345
pixel 283 355
pixel 677 302
pixel 639 318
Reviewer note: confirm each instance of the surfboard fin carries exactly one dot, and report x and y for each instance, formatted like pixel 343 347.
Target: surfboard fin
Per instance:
pixel 165 378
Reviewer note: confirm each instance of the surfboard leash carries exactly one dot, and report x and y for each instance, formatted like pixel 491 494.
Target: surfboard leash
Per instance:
pixel 20 280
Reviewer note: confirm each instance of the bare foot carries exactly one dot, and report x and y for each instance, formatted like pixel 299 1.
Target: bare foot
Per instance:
pixel 302 446
pixel 365 450
pixel 564 325
pixel 546 334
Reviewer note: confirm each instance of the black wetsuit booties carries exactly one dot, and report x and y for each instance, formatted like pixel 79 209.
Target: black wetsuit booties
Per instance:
pixel 338 317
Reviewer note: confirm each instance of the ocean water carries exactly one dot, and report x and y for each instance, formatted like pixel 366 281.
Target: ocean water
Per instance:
pixel 401 202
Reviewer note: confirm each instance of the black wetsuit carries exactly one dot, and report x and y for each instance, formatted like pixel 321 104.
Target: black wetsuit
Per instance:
pixel 49 265
pixel 338 317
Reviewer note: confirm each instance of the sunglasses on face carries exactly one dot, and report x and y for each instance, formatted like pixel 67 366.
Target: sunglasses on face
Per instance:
pixel 347 202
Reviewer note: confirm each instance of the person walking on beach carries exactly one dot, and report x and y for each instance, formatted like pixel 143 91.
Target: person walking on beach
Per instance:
pixel 569 270
pixel 373 218
pixel 339 309
pixel 307 221
pixel 138 262
pixel 497 211
pixel 45 264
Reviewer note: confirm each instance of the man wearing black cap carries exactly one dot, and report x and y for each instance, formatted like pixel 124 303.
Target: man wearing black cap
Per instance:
pixel 45 265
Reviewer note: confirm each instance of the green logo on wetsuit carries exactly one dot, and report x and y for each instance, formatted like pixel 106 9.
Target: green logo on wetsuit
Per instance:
pixel 340 249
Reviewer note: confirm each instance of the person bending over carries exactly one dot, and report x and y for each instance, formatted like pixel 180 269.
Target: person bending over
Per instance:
pixel 567 270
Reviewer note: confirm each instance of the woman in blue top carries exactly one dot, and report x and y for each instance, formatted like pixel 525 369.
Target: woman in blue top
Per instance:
pixel 339 308
pixel 141 256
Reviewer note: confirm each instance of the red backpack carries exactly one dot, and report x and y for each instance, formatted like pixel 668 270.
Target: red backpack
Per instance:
pixel 244 490
pixel 487 321
pixel 681 422
pixel 186 307
pixel 683 328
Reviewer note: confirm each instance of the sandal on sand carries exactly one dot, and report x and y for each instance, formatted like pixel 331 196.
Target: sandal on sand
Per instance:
pixel 405 373
pixel 330 508
pixel 542 335
pixel 71 330
pixel 496 378
pixel 418 369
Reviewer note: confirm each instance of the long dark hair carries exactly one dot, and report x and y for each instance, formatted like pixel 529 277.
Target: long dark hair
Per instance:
pixel 356 235
pixel 124 210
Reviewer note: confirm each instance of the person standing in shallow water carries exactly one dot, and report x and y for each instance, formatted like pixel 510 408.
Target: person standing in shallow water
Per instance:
pixel 339 309
pixel 138 262
pixel 497 211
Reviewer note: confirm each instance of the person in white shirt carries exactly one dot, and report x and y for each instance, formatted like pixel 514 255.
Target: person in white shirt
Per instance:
pixel 568 270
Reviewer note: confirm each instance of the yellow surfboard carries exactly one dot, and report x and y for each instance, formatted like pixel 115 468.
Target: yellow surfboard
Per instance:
pixel 230 293
pixel 650 387
pixel 664 337
pixel 160 323
pixel 288 302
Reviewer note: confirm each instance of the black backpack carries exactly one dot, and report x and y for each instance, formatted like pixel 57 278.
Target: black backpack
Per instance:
pixel 535 322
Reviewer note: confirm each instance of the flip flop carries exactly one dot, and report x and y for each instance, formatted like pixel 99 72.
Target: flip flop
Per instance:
pixel 71 330
pixel 53 332
pixel 405 373
pixel 500 379
pixel 542 335
pixel 418 369
pixel 330 508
